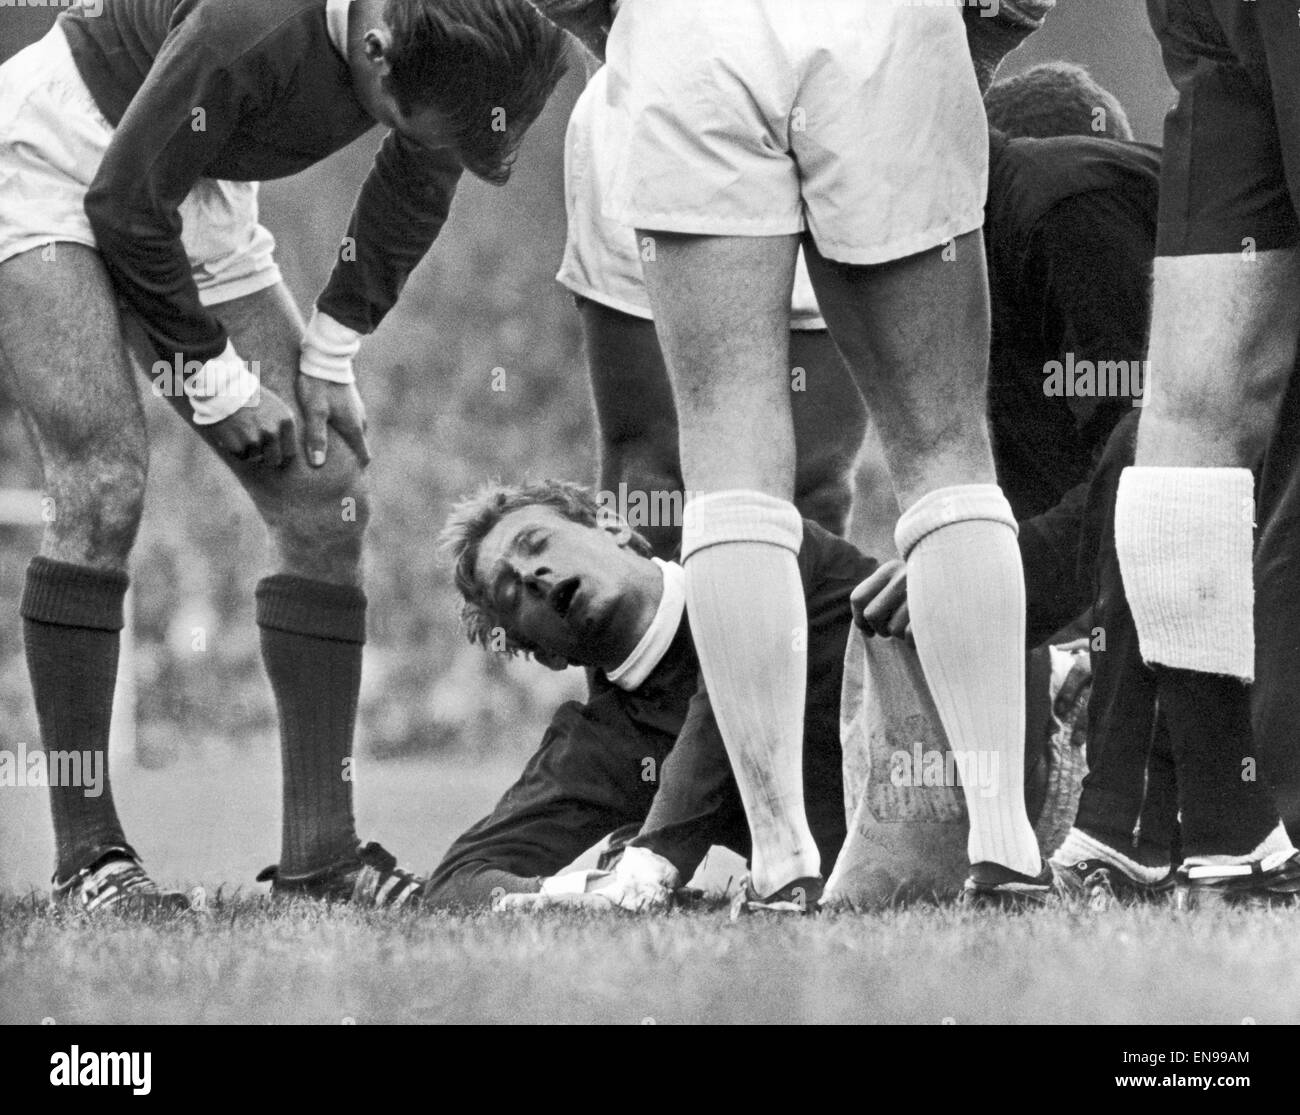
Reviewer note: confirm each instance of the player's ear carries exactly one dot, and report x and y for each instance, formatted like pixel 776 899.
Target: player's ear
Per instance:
pixel 614 525
pixel 378 42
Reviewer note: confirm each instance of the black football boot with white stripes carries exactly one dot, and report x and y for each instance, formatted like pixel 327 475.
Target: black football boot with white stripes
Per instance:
pixel 116 883
pixel 370 879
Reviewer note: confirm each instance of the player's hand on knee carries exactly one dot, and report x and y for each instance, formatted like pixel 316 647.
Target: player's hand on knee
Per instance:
pixel 264 432
pixel 326 404
pixel 880 603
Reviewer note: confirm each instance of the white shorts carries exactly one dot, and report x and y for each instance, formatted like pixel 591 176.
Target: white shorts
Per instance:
pixel 52 140
pixel 601 257
pixel 860 120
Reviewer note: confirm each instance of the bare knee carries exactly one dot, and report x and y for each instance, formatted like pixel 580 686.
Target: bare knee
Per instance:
pixel 92 508
pixel 1186 425
pixel 318 519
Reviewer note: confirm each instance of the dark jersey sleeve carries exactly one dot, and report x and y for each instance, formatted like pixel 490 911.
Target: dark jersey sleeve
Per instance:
pixel 698 804
pixel 403 205
pixel 182 115
pixel 1089 260
pixel 595 771
pixel 1055 592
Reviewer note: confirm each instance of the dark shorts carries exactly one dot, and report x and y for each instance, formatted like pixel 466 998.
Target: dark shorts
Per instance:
pixel 1231 173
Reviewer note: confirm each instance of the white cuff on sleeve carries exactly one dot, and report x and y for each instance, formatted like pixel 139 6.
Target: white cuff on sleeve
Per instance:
pixel 223 385
pixel 328 349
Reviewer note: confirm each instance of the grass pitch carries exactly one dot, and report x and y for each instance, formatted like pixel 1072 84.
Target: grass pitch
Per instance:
pixel 249 961
pixel 215 822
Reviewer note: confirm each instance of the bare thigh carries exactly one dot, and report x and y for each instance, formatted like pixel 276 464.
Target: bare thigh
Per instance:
pixel 637 418
pixel 915 334
pixel 66 366
pixel 722 313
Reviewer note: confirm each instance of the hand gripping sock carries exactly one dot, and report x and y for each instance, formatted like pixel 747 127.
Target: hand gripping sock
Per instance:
pixel 966 594
pixel 749 621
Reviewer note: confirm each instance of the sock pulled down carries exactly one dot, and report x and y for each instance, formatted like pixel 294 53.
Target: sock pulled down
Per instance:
pixel 966 594
pixel 312 639
pixel 749 621
pixel 1184 538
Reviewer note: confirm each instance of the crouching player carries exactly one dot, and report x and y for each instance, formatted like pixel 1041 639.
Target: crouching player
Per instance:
pixel 544 570
pixel 130 148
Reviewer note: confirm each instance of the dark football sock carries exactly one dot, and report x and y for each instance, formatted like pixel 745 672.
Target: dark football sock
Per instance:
pixel 1226 808
pixel 1158 824
pixel 72 622
pixel 312 637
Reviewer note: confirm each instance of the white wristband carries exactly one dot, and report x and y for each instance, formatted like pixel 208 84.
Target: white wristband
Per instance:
pixel 222 386
pixel 328 349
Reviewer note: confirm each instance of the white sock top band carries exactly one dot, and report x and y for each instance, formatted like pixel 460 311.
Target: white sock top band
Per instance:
pixel 740 515
pixel 945 506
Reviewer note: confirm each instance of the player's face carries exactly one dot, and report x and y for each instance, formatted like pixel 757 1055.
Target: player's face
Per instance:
pixel 576 592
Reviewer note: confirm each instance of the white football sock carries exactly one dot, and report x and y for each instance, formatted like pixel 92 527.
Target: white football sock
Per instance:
pixel 749 621
pixel 966 593
pixel 1184 537
pixel 1078 846
pixel 1276 848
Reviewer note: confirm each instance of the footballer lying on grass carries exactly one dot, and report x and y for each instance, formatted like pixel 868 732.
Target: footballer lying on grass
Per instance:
pixel 131 144
pixel 545 571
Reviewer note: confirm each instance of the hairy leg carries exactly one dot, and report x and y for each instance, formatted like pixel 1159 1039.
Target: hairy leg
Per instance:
pixel 66 368
pixel 1223 345
pixel 311 611
pixel 637 421
pixel 722 307
pixel 915 333
pixel 68 372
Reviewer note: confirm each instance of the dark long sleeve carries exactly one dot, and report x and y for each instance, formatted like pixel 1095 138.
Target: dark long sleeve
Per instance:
pixel 182 116
pixel 1055 591
pixel 402 207
pixel 596 770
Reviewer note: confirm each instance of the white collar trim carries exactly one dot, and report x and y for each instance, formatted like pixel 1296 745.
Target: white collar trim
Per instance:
pixel 336 21
pixel 659 636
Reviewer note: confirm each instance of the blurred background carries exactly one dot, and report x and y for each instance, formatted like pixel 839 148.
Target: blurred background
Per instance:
pixel 484 299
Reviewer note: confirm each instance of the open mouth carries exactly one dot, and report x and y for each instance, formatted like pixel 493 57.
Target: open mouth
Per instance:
pixel 562 596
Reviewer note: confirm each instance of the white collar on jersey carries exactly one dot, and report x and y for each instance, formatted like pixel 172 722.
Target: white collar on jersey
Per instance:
pixel 659 636
pixel 336 20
